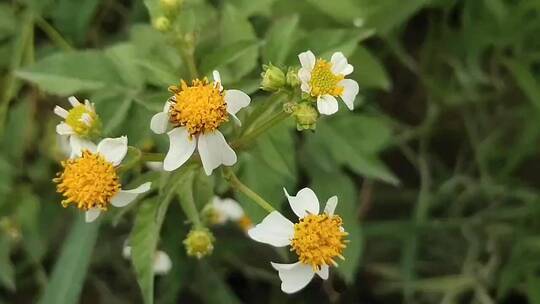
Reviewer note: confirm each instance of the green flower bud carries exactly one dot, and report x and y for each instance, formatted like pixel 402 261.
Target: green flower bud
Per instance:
pixel 292 77
pixel 199 242
pixel 162 24
pixel 306 116
pixel 210 215
pixel 170 6
pixel 273 78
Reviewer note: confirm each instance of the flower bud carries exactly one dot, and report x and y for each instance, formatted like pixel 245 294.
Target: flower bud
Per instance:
pixel 292 77
pixel 211 216
pixel 273 78
pixel 199 242
pixel 306 116
pixel 170 6
pixel 162 24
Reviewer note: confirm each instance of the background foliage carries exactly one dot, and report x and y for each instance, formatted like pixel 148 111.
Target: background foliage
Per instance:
pixel 436 169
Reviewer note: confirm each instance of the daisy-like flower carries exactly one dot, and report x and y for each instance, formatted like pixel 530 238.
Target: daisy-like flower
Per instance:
pixel 195 113
pixel 221 211
pixel 162 262
pixel 80 123
pixel 326 80
pixel 317 239
pixel 90 179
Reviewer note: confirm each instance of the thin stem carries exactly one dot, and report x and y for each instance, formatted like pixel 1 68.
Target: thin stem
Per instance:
pixel 53 34
pixel 152 157
pixel 238 185
pixel 272 121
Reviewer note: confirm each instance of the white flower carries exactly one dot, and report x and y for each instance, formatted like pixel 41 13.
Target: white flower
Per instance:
pixel 326 81
pixel 227 209
pixel 317 239
pixel 80 122
pixel 195 113
pixel 162 262
pixel 90 181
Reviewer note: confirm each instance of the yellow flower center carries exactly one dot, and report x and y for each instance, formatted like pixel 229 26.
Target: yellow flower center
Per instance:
pixel 83 121
pixel 89 181
pixel 200 108
pixel 323 81
pixel 318 239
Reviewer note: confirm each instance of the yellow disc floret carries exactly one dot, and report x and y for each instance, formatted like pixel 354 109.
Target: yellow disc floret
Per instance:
pixel 323 81
pixel 89 181
pixel 319 239
pixel 200 108
pixel 83 121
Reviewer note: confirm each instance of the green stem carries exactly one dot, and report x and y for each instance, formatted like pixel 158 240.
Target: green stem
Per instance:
pixel 152 157
pixel 187 202
pixel 238 185
pixel 53 34
pixel 246 139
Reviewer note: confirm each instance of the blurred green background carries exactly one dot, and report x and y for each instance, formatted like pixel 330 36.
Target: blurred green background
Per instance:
pixel 436 169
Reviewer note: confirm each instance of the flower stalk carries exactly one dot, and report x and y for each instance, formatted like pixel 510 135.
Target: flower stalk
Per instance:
pixel 233 180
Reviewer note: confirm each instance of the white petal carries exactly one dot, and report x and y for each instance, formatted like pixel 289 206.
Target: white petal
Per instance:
pixel 350 90
pixel 307 60
pixel 86 119
pixel 305 202
pixel 64 129
pixel 74 101
pixel 294 276
pixel 305 87
pixel 159 122
pixel 92 214
pixel 340 64
pixel 181 147
pixel 124 197
pixel 275 229
pixel 78 145
pixel 304 75
pixel 162 263
pixel 215 151
pixel 217 79
pixel 327 104
pixel 323 272
pixel 61 112
pixel 229 208
pixel 126 252
pixel 331 205
pixel 236 100
pixel 113 149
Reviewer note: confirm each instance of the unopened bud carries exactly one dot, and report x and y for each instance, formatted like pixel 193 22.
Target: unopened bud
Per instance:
pixel 162 24
pixel 273 78
pixel 306 116
pixel 292 77
pixel 199 242
pixel 170 6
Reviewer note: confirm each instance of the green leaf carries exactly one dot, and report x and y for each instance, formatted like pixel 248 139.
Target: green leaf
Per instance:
pixel 369 71
pixel 145 233
pixel 72 18
pixel 226 54
pixel 279 39
pixel 525 80
pixel 7 275
pixel 69 73
pixel 209 280
pixel 333 145
pixel 533 289
pixel 67 279
pixel 235 27
pixel 8 21
pixel 143 241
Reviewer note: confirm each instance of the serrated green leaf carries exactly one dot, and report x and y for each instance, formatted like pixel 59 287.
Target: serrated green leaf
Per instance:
pixel 279 40
pixel 369 71
pixel 67 279
pixel 69 73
